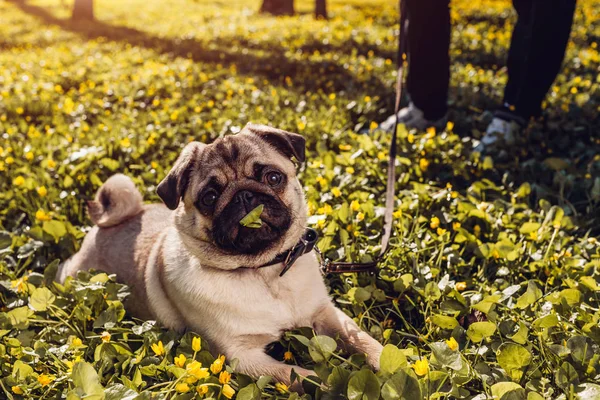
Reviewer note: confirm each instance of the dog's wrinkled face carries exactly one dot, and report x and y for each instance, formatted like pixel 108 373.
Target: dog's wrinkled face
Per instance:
pixel 222 182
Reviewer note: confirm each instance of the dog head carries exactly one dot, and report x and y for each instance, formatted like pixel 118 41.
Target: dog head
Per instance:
pixel 213 187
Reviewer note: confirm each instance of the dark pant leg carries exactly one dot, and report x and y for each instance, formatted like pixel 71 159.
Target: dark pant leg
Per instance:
pixel 428 58
pixel 536 52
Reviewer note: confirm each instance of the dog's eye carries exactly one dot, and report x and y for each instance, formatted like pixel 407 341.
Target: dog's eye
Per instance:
pixel 273 178
pixel 210 198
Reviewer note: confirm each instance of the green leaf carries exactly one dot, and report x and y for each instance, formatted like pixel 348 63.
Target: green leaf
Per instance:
pixel 529 227
pixel 250 392
pixel 477 331
pixel 5 240
pixel 119 392
pixel 546 321
pixel 21 370
pixel 588 391
pixel 513 358
pixel 41 299
pixel 86 381
pixel 54 228
pixel 111 164
pixel 566 376
pixel 363 385
pixel 320 348
pixel 486 304
pixel 445 356
pixel 392 359
pixel 402 386
pixel 532 295
pixel 508 391
pixel 444 321
pixel 252 219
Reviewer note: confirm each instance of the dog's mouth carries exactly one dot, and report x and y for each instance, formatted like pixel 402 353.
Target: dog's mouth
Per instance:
pixel 258 233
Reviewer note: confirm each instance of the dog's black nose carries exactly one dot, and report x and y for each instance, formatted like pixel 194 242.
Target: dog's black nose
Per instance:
pixel 244 197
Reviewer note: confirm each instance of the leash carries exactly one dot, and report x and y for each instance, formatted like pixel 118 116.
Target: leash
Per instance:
pixel 349 267
pixel 308 241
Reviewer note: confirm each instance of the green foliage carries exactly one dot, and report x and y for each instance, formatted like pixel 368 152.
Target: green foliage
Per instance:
pixel 492 284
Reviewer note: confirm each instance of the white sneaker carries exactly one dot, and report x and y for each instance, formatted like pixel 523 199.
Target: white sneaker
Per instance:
pixel 413 118
pixel 499 133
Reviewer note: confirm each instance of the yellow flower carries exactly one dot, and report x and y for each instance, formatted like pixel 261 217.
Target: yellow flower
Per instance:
pixel 202 390
pixel 452 343
pixel 336 192
pixel 42 215
pixel 423 164
pixel 477 230
pixel 441 231
pixel 196 344
pixel 228 391
pixel 288 356
pixel 381 156
pixel 105 337
pixel 449 126
pixel 332 96
pixel 29 156
pixel 435 222
pixel 430 132
pixel 421 367
pixel 345 147
pixel 125 142
pixel 195 369
pixel 355 205
pixel 460 286
pixel 42 191
pixel 410 138
pixel 281 387
pixel 454 194
pixel 158 348
pixel 174 115
pixel 76 342
pixel 321 223
pixel 456 226
pixel 301 125
pixel 373 126
pixel 182 388
pixel 326 209
pixel 20 110
pixel 180 360
pixel 224 377
pixel 16 390
pixel 360 216
pixel 18 181
pixel 44 379
pixel 349 170
pixel 217 365
pixel 20 285
pixel 51 163
pixel 367 99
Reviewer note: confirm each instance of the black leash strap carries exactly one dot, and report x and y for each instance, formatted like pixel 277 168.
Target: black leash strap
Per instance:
pixel 345 267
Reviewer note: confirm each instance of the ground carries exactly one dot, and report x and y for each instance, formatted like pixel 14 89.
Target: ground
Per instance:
pixel 493 281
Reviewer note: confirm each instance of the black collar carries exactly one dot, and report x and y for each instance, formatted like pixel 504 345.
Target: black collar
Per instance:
pixel 289 257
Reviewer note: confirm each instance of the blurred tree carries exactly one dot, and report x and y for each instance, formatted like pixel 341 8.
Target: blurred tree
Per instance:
pixel 278 7
pixel 286 7
pixel 83 10
pixel 321 9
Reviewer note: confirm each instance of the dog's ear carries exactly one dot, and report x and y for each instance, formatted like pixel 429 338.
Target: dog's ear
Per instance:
pixel 173 187
pixel 288 143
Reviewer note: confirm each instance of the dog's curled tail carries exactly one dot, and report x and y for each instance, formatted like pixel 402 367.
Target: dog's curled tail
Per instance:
pixel 116 201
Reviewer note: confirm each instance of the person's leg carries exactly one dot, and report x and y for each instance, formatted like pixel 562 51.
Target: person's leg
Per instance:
pixel 536 54
pixel 428 58
pixel 537 49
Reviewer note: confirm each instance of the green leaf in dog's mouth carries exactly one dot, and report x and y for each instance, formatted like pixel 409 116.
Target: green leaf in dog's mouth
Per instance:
pixel 252 219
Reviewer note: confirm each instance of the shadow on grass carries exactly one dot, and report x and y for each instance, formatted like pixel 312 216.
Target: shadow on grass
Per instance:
pixel 270 62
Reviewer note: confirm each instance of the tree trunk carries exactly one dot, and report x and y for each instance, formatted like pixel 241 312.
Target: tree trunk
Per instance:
pixel 278 7
pixel 321 9
pixel 83 10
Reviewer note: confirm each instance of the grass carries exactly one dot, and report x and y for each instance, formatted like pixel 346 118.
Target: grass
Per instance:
pixel 492 284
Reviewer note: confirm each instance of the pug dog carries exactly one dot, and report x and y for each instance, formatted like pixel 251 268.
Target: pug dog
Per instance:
pixel 191 264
